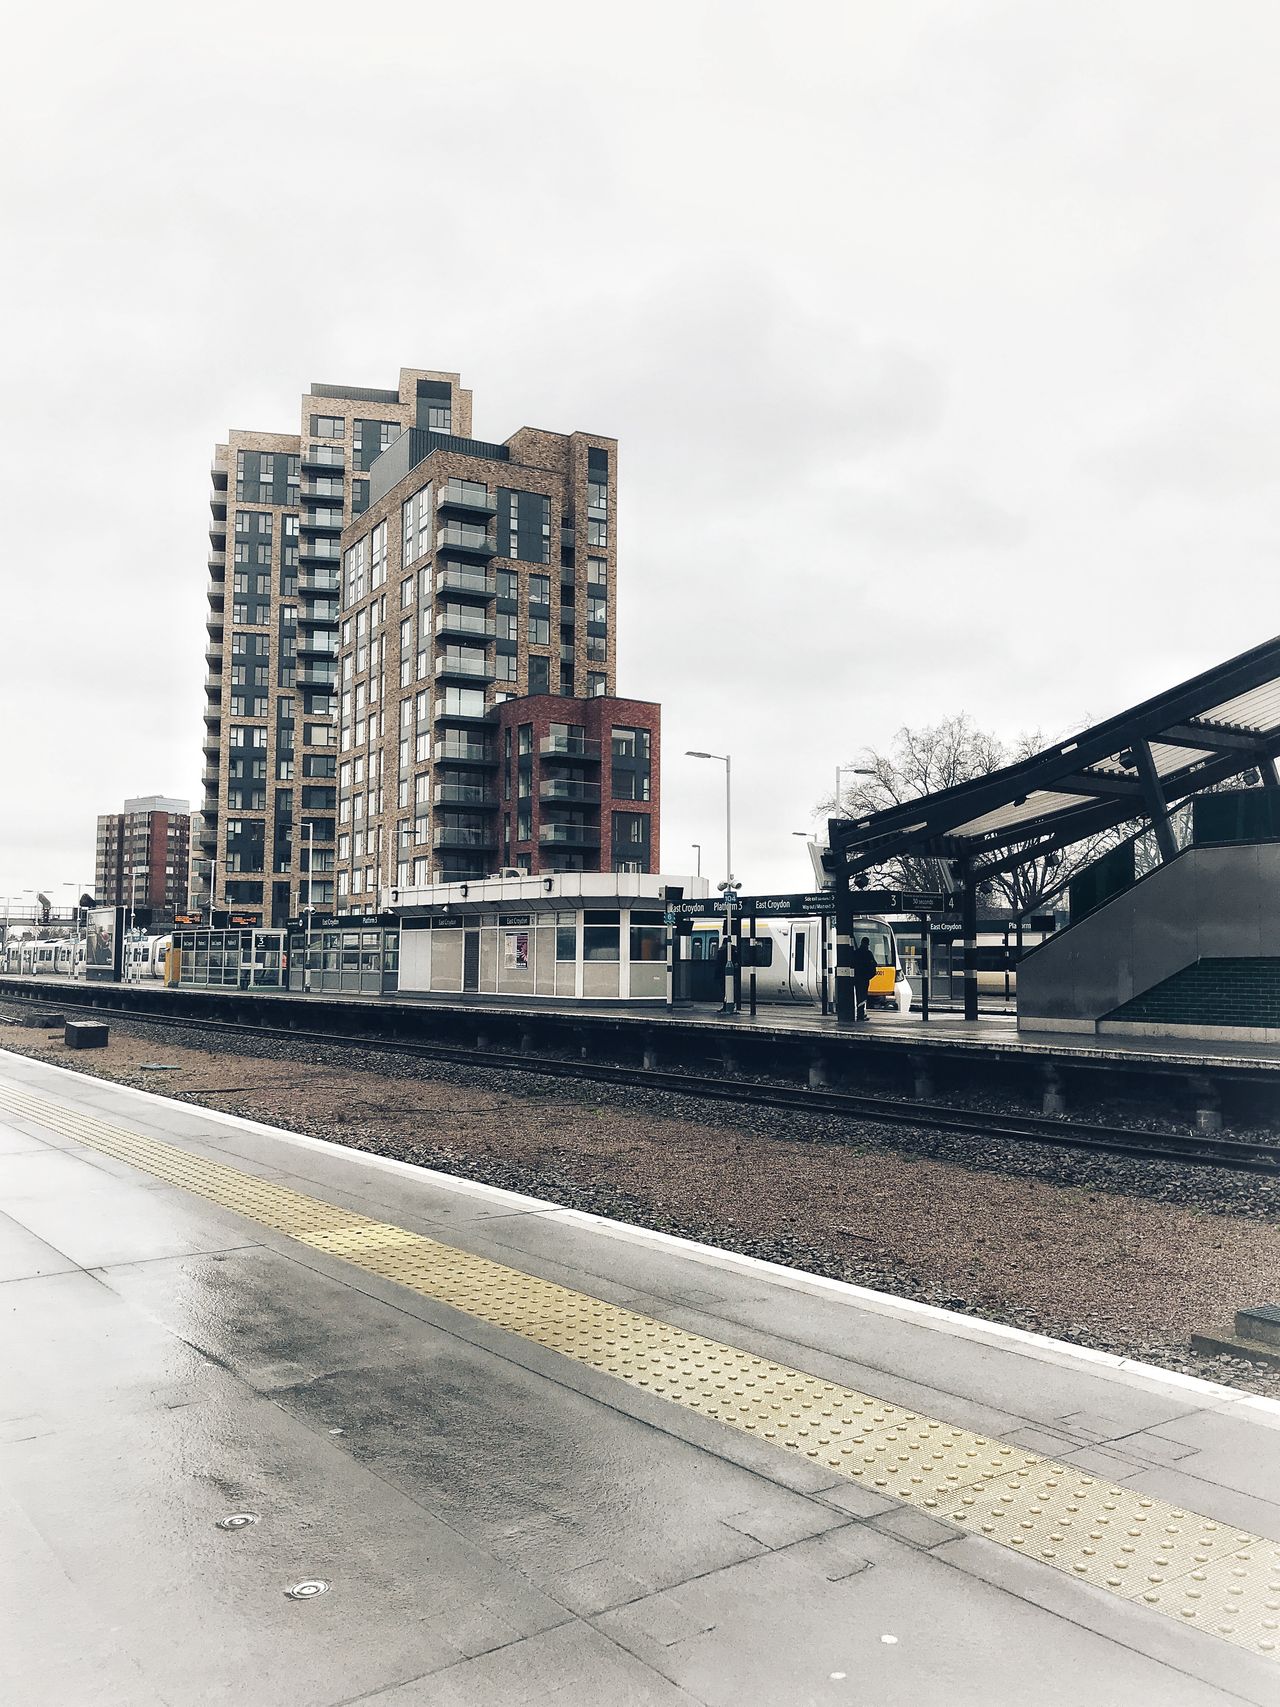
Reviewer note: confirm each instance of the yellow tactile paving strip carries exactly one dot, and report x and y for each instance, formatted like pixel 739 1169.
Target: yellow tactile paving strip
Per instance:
pixel 1201 1573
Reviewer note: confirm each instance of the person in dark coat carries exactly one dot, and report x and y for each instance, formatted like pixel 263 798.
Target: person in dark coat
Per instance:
pixel 865 967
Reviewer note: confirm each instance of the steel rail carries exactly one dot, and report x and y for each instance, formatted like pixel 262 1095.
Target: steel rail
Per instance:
pixel 1211 1150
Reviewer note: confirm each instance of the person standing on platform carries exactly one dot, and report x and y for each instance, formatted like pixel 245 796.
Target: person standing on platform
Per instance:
pixel 865 967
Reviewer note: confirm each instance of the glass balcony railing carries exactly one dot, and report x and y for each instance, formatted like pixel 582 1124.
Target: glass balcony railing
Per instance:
pixel 465 621
pixel 556 788
pixel 463 794
pixel 569 835
pixel 569 747
pixel 457 579
pixel 458 536
pixel 462 665
pixel 463 753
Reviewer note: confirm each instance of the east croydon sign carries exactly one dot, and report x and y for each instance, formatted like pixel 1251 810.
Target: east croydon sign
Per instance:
pixel 813 903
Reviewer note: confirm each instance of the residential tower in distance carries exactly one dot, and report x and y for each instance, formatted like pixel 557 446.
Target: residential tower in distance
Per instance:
pixel 412 658
pixel 142 854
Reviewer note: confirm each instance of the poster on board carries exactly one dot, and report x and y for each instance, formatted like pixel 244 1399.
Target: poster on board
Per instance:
pixel 515 950
pixel 102 943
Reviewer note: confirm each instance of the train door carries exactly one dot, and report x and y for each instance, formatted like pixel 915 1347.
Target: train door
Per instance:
pixel 471 961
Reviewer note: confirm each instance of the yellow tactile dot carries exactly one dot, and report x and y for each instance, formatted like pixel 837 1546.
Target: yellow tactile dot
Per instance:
pixel 1202 1574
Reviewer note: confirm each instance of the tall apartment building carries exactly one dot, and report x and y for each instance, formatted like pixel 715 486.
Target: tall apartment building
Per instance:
pixel 477 723
pixel 142 854
pixel 278 507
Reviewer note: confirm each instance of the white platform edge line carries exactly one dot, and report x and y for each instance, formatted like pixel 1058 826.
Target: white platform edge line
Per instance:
pixel 1106 1364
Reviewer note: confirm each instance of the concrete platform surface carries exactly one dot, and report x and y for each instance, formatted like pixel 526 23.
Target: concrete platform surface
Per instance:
pixel 534 1456
pixel 946 1031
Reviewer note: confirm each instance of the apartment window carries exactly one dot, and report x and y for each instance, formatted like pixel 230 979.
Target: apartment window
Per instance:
pixel 539 631
pixel 597 498
pixel 597 685
pixel 597 648
pixel 406 592
pixel 539 589
pixel 539 675
pixel 597 608
pixel 378 555
pixel 328 427
pixel 507 584
pixel 506 666
pixel 439 418
pixel 597 572
pixel 597 532
pixel 422 508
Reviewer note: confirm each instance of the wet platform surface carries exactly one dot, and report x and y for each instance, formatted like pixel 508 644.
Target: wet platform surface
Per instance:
pixel 540 1457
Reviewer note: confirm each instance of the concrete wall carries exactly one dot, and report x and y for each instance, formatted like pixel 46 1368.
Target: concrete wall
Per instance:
pixel 1208 903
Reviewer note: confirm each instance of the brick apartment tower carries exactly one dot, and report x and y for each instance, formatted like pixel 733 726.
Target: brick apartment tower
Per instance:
pixel 282 500
pixel 477 724
pixel 497 560
pixel 149 838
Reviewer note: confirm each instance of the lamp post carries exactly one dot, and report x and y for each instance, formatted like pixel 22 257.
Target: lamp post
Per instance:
pixel 723 759
pixel 850 770
pixel 697 848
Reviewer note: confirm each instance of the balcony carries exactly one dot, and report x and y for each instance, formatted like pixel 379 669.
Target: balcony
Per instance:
pixel 463 753
pixel 568 836
pixel 316 676
pixel 213 657
pixel 218 565
pixel 218 473
pixel 467 622
pixel 215 592
pixel 473 794
pixel 318 579
pixel 218 504
pixel 461 668
pixel 444 713
pixel 209 777
pixel 444 837
pixel 317 643
pixel 213 622
pixel 321 522
pixel 574 747
pixel 318 553
pixel 469 499
pixel 218 532
pixel 211 745
pixel 326 490
pixel 213 690
pixel 457 578
pixel 319 612
pixel 474 541
pixel 323 459
pixel 560 789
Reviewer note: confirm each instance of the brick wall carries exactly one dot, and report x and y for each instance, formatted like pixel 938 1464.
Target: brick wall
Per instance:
pixel 1212 992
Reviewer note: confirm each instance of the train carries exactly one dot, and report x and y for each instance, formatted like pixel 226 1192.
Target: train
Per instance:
pixel 787 959
pixel 146 957
pixel 35 956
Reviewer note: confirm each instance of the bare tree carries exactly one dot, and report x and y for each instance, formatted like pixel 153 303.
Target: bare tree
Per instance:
pixel 940 755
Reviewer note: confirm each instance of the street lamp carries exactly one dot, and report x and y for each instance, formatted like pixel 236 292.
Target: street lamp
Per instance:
pixel 850 770
pixel 697 848
pixel 723 759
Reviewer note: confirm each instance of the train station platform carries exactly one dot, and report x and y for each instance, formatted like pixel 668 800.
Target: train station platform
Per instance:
pixel 289 1424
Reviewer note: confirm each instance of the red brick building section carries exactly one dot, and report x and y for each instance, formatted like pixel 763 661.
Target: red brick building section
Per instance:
pixel 578 783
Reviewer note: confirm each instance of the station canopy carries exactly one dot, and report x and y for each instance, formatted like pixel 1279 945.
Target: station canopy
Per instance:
pixel 1134 766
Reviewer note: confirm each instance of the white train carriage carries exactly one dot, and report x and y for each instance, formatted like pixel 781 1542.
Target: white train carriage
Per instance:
pixel 787 956
pixel 146 957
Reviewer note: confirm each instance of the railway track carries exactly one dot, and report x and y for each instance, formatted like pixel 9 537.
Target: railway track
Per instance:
pixel 1213 1150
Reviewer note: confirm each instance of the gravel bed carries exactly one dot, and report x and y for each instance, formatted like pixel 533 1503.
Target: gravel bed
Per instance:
pixel 1123 1254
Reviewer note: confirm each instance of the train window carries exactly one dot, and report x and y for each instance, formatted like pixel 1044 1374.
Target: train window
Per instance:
pixel 799 954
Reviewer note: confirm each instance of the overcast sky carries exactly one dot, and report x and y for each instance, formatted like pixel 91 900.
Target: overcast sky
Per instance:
pixel 940 340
